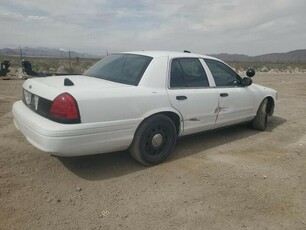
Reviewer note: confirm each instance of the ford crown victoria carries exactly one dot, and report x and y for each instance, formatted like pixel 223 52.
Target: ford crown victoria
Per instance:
pixel 142 101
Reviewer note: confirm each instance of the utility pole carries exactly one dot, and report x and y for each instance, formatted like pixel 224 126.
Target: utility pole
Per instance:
pixel 70 61
pixel 20 52
pixel 21 58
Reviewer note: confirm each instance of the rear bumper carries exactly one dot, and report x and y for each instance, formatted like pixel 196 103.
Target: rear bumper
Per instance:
pixel 73 139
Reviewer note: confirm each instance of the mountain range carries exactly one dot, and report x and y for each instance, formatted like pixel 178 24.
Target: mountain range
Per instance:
pixel 44 52
pixel 296 56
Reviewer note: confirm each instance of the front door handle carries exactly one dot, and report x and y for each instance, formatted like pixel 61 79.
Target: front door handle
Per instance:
pixel 180 98
pixel 223 94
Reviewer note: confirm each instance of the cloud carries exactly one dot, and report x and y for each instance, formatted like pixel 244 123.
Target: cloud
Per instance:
pixel 203 26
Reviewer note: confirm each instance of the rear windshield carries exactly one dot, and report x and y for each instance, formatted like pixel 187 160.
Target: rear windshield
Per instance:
pixel 122 68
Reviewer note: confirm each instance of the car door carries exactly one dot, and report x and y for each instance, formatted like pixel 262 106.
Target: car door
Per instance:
pixel 190 93
pixel 236 102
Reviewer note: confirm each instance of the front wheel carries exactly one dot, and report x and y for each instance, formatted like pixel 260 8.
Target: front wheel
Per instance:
pixel 154 140
pixel 261 119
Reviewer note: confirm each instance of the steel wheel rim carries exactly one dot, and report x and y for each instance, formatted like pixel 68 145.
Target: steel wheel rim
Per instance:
pixel 158 131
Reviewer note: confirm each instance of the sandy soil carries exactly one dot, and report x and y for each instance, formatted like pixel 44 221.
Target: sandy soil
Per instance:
pixel 235 178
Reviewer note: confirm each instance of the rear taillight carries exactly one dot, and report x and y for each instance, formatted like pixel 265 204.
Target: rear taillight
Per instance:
pixel 64 109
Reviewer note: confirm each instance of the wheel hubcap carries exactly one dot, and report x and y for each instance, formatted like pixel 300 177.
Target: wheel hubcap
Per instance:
pixel 157 140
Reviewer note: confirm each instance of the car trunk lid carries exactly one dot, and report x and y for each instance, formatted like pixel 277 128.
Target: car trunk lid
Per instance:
pixel 39 94
pixel 50 87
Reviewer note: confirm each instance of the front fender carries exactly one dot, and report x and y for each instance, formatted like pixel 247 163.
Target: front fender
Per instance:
pixel 262 93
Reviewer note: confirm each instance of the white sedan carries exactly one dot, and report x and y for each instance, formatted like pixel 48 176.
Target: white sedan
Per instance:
pixel 141 101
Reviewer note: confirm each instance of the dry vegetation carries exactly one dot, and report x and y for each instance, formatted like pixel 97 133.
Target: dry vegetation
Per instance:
pixel 52 65
pixel 79 65
pixel 270 67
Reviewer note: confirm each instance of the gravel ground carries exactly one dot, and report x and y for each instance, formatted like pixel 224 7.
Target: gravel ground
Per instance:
pixel 235 178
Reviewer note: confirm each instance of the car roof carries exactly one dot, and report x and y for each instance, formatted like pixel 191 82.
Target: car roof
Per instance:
pixel 170 54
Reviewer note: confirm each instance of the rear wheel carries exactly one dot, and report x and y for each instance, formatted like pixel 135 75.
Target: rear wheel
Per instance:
pixel 154 140
pixel 260 121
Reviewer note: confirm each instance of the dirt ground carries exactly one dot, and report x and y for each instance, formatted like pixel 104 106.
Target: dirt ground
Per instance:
pixel 235 178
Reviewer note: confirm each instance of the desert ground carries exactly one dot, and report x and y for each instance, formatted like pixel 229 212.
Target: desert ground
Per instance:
pixel 234 178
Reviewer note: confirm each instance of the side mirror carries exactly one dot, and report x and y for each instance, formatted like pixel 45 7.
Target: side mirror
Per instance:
pixel 250 72
pixel 247 81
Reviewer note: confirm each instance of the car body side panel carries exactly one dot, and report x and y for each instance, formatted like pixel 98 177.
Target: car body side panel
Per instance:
pixel 198 110
pixel 121 104
pixel 237 107
pixel 242 102
pixel 154 76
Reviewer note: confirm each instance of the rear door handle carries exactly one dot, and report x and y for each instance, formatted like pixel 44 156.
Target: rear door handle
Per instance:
pixel 180 98
pixel 223 94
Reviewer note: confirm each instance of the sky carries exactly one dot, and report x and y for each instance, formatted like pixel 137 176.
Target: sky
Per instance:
pixel 250 27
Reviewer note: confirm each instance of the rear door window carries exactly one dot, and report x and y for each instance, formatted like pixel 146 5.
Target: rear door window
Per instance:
pixel 187 73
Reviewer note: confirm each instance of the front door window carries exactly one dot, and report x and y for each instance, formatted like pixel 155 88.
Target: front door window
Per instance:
pixel 223 75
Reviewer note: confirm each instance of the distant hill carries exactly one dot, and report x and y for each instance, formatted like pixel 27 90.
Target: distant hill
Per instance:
pixel 232 57
pixel 44 52
pixel 296 56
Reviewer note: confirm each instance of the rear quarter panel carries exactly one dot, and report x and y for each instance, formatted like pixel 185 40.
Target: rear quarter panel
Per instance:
pixel 129 102
pixel 133 102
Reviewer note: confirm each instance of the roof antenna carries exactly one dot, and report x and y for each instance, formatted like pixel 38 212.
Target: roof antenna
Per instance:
pixel 187 51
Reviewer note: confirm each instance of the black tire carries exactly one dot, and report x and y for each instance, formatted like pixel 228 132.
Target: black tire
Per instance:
pixel 261 119
pixel 154 140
